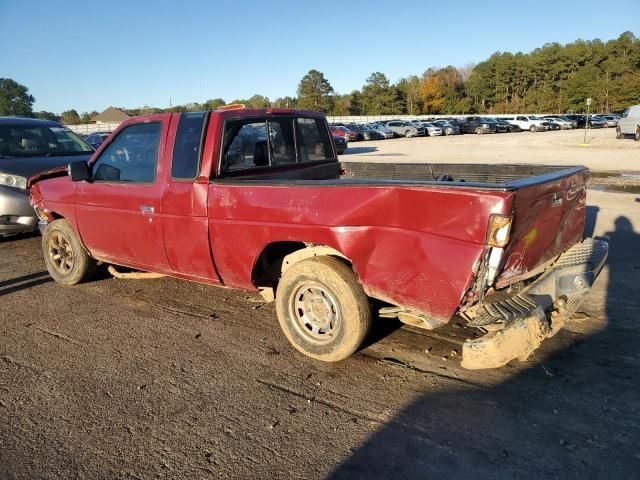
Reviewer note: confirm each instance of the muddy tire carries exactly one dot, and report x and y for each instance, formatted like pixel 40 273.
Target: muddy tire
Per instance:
pixel 322 309
pixel 65 257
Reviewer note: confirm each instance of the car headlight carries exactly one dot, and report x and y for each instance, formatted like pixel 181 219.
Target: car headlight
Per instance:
pixel 14 181
pixel 485 125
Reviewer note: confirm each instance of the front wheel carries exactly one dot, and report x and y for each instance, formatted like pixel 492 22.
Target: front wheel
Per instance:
pixel 479 131
pixel 637 136
pixel 533 128
pixel 619 133
pixel 65 257
pixel 322 309
pixel 407 134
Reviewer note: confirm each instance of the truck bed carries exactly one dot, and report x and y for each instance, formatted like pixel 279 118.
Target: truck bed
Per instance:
pixel 508 177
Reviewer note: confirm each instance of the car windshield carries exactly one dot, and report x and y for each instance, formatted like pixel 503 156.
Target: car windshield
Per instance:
pixel 39 140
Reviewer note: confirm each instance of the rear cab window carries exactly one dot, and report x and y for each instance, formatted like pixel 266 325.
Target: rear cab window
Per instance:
pixel 273 141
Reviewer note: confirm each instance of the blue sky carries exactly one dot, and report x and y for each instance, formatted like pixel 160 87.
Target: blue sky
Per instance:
pixel 87 56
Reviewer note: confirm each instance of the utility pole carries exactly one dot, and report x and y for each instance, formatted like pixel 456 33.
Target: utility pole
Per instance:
pixel 586 122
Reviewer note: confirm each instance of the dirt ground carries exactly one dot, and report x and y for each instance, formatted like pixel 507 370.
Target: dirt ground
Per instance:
pixel 171 379
pixel 562 147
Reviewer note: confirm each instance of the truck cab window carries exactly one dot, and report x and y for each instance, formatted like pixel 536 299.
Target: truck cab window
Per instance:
pixel 186 149
pixel 313 140
pixel 250 143
pixel 132 156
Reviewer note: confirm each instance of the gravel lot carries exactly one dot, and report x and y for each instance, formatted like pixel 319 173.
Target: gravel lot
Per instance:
pixel 170 379
pixel 562 147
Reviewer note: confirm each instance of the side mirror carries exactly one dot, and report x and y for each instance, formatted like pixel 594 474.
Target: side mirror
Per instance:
pixel 79 171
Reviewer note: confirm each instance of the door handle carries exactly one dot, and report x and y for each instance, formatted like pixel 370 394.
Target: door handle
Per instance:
pixel 146 209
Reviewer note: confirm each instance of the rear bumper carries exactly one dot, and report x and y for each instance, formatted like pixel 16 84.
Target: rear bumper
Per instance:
pixel 519 323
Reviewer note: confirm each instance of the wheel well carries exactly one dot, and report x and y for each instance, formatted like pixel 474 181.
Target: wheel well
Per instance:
pixel 276 257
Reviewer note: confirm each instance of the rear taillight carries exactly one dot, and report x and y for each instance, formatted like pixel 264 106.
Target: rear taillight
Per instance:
pixel 499 230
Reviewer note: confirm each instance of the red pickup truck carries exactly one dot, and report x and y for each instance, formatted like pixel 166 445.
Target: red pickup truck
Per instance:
pixel 257 200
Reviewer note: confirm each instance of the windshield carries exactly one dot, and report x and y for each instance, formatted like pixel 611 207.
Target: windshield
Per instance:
pixel 38 140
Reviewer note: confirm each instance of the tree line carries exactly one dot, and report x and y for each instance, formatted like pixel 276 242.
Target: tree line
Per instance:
pixel 553 78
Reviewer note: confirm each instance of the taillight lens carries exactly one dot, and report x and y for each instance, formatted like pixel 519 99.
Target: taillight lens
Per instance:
pixel 499 230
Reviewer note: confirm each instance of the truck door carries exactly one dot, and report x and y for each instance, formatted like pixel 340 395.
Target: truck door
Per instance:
pixel 184 201
pixel 118 211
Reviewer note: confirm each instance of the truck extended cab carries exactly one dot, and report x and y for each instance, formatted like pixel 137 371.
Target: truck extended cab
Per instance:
pixel 257 200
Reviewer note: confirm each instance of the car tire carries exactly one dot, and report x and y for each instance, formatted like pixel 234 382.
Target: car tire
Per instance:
pixel 407 134
pixel 479 131
pixel 637 135
pixel 64 255
pixel 533 128
pixel 322 308
pixel 619 134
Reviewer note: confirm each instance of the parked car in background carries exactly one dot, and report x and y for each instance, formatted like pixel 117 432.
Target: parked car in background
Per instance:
pixel 596 122
pixel 96 139
pixel 400 128
pixel 609 120
pixel 448 127
pixel 577 118
pixel 344 132
pixel 500 127
pixel 477 125
pixel 510 127
pixel 552 124
pixel 27 147
pixel 629 124
pixel 432 129
pixel 383 131
pixel 564 124
pixel 363 132
pixel 341 144
pixel 532 123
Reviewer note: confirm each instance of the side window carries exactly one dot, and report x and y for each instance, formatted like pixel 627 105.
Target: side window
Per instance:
pixel 522 119
pixel 132 156
pixel 186 150
pixel 313 140
pixel 625 114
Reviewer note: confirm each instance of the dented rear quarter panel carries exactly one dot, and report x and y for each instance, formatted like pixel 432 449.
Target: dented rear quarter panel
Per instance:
pixel 412 246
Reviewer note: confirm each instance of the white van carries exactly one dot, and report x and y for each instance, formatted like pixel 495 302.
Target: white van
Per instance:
pixel 629 124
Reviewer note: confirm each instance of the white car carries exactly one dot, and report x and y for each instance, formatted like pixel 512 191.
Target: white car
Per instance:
pixel 629 124
pixel 529 122
pixel 432 130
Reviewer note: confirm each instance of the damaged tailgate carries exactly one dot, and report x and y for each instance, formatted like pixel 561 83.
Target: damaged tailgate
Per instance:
pixel 549 218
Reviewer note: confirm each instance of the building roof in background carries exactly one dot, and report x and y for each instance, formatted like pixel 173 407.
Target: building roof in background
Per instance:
pixel 111 114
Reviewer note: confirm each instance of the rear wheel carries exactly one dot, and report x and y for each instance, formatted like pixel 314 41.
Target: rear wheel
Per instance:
pixel 322 309
pixel 66 259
